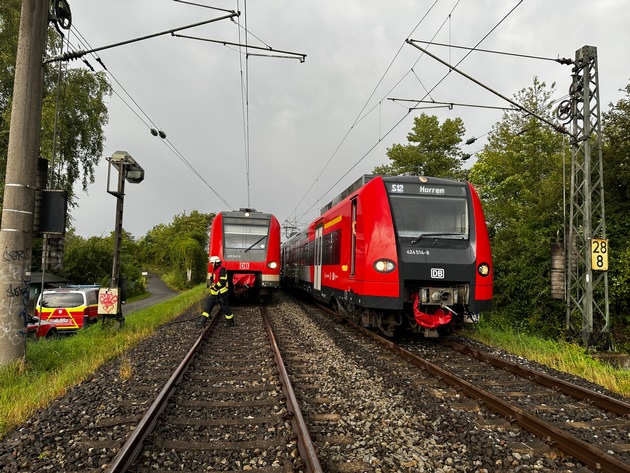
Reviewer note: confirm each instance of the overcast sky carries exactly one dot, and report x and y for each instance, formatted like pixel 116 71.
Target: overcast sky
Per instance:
pixel 310 128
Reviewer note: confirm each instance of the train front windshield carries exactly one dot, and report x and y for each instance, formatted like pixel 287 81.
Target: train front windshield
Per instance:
pixel 245 238
pixel 420 217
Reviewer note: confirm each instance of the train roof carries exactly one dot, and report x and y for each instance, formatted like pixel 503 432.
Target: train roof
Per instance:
pixel 356 185
pixel 363 180
pixel 241 212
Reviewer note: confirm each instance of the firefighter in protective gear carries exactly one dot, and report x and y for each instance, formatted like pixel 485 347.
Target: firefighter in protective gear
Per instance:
pixel 218 284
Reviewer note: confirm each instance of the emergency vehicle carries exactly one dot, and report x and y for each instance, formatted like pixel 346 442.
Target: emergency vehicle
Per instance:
pixel 69 309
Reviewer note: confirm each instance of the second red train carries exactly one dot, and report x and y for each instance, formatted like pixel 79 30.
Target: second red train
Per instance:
pixel 248 244
pixel 404 251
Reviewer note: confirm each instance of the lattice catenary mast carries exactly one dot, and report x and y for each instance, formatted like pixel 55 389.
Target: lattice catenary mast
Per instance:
pixel 586 244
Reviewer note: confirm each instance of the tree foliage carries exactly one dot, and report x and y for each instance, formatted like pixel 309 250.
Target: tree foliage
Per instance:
pixel 519 175
pixel 433 150
pixel 616 159
pixel 90 261
pixel 177 250
pixel 75 146
pixel 180 249
pixel 73 110
pixel 9 25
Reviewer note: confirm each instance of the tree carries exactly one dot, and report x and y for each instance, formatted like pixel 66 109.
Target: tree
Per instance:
pixel 78 140
pixel 89 261
pixel 9 26
pixel 433 150
pixel 188 254
pixel 616 161
pixel 519 175
pixel 179 249
pixel 75 116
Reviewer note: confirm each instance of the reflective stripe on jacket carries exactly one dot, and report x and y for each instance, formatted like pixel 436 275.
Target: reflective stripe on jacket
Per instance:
pixel 218 281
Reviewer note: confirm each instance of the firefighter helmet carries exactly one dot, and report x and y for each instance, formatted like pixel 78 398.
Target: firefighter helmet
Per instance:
pixel 215 260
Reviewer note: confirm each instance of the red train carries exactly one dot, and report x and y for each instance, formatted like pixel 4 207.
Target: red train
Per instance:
pixel 405 251
pixel 248 243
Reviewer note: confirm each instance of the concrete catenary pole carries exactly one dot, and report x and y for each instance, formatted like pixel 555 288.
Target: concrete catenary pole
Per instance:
pixel 16 231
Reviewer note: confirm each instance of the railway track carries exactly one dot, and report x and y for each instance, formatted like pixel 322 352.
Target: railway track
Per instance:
pixel 228 405
pixel 590 426
pixel 367 409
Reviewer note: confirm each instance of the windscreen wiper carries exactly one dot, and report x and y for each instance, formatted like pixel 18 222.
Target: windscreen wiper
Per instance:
pixel 255 243
pixel 432 234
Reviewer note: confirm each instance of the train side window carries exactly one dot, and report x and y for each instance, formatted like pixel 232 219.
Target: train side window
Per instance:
pixel 310 253
pixel 304 257
pixel 331 247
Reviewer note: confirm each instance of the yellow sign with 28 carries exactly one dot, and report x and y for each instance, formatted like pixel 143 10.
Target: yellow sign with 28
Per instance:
pixel 599 254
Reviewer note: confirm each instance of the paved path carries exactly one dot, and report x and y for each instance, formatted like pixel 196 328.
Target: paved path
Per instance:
pixel 159 293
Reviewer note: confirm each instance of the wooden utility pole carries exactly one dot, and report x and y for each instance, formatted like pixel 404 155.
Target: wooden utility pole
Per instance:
pixel 16 231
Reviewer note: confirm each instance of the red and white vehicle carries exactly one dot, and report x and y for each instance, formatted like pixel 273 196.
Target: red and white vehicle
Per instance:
pixel 248 243
pixel 68 308
pixel 404 251
pixel 36 328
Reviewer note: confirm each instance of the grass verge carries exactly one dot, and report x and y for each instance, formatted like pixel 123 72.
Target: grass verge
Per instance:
pixel 51 366
pixel 565 357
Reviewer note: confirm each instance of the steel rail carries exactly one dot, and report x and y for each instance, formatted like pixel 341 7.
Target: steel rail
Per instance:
pixel 586 453
pixel 600 400
pixel 304 441
pixel 133 445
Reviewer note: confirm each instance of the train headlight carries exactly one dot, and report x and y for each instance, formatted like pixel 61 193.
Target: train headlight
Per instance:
pixel 483 269
pixel 384 265
pixel 272 265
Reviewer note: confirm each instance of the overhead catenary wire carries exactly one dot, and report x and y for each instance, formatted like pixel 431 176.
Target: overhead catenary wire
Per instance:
pixel 361 117
pixel 244 44
pixel 565 61
pixel 408 111
pixel 146 120
pixel 358 118
pixel 245 99
pixel 555 126
pixel 205 6
pixel 283 53
pixel 53 152
pixel 471 50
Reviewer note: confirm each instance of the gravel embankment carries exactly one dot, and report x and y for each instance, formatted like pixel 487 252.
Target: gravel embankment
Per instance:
pixel 368 410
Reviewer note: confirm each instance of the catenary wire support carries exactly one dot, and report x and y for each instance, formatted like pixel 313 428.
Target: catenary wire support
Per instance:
pixel 555 126
pixel 70 55
pixel 587 285
pixel 587 246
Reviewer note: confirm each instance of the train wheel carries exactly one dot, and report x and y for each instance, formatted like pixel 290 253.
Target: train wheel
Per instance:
pixel 387 323
pixel 334 305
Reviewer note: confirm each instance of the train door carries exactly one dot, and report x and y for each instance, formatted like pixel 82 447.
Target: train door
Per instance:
pixel 317 263
pixel 353 241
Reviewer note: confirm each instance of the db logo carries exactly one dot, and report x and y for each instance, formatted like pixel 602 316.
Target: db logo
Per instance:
pixel 244 265
pixel 437 273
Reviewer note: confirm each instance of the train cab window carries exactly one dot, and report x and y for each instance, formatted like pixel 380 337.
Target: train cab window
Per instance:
pixel 436 217
pixel 246 236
